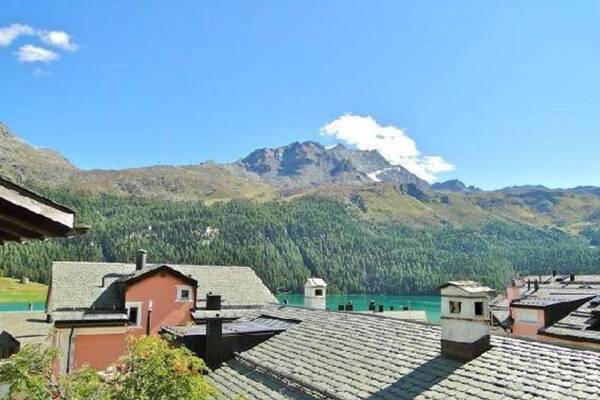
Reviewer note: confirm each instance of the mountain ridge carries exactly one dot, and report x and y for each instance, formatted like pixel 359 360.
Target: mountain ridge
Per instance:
pixel 359 179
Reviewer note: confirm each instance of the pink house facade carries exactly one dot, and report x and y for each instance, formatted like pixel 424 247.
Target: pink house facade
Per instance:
pixel 95 307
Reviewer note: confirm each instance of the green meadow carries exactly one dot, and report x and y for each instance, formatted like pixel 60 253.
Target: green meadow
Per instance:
pixel 12 291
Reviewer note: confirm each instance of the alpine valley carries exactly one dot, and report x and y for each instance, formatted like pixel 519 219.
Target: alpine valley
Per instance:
pixel 349 216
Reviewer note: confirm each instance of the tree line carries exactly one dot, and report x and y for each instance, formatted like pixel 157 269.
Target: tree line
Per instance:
pixel 286 241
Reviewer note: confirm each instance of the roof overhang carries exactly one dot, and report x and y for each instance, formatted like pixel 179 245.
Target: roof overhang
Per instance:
pixel 25 215
pixel 144 273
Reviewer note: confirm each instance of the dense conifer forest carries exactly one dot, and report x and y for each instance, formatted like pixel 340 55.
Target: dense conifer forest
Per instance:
pixel 285 241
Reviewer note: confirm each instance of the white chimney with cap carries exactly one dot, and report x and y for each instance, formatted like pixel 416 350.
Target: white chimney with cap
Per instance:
pixel 315 295
pixel 465 319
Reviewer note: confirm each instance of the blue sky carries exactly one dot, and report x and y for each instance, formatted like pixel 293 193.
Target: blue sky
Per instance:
pixel 500 92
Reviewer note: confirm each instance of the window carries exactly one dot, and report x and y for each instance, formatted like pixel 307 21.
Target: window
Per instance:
pixel 455 307
pixel 318 292
pixel 184 293
pixel 527 315
pixel 479 308
pixel 134 313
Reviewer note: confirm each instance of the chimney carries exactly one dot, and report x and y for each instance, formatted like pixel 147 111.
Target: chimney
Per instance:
pixel 465 320
pixel 315 293
pixel 371 305
pixel 213 302
pixel 572 277
pixel 140 259
pixel 536 286
pixel 214 332
pixel 553 272
pixel 528 284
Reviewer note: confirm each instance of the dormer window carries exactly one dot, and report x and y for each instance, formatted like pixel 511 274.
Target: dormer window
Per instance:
pixel 184 293
pixel 455 307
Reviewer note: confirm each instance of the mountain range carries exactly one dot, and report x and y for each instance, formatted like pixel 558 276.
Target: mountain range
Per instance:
pixel 346 215
pixel 361 179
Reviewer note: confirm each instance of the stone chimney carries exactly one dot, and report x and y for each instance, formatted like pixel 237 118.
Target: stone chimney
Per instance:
pixel 465 319
pixel 140 259
pixel 214 332
pixel 315 293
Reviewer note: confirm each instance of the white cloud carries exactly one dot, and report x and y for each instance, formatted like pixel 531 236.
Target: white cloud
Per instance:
pixel 59 39
pixel 9 33
pixel 30 53
pixel 391 142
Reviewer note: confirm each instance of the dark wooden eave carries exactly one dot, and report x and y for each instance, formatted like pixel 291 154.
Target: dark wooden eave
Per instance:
pixel 25 215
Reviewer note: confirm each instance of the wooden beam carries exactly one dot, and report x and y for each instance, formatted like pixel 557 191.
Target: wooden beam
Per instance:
pixel 30 221
pixel 9 237
pixel 19 230
pixel 36 204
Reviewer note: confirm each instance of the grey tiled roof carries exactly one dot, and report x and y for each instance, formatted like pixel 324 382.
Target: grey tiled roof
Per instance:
pixel 582 324
pixel 79 285
pixel 360 356
pixel 83 316
pixel 257 325
pixel 26 327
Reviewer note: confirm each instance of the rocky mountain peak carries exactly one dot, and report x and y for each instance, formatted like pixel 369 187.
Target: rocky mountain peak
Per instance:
pixel 454 185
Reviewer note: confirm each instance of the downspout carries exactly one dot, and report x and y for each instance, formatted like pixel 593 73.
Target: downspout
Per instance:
pixel 149 317
pixel 69 349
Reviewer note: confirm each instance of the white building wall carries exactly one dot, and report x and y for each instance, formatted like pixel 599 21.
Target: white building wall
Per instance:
pixel 466 326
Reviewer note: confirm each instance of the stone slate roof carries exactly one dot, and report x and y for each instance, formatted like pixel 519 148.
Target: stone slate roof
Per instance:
pixel 363 356
pixel 315 282
pixel 581 324
pixel 469 286
pixel 83 286
pixel 551 295
pixel 26 327
pixel 254 326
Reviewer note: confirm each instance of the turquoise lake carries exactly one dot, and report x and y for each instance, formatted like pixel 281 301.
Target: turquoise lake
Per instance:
pixel 431 304
pixel 4 307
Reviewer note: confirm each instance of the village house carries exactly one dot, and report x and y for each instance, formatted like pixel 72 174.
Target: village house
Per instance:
pixel 553 308
pixel 350 356
pixel 94 307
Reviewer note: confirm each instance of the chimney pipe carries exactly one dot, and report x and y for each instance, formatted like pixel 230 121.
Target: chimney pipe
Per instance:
pixel 572 277
pixel 140 259
pixel 214 332
pixel 528 284
pixel 213 302
pixel 536 286
pixel 553 272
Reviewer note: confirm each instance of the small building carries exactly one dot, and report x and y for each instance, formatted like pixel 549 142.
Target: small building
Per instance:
pixel 465 319
pixel 97 305
pixel 315 293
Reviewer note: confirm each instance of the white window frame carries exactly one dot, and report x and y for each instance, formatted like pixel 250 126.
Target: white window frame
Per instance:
pixel 138 305
pixel 181 288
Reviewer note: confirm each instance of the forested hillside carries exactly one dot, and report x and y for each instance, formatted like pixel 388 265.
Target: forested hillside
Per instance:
pixel 285 241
